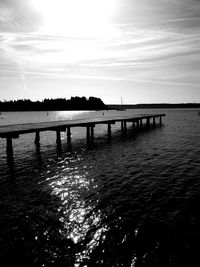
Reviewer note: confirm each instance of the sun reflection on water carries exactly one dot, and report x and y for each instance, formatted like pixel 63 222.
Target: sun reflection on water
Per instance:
pixel 81 221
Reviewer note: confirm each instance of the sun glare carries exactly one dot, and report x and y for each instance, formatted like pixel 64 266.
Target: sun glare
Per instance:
pixel 75 17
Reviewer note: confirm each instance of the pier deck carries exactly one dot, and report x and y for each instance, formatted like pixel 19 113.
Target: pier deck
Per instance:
pixel 13 131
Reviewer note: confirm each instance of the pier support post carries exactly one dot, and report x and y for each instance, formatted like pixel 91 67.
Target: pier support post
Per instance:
pixel 148 122
pixel 92 134
pixel 109 131
pixel 37 138
pixel 9 150
pixel 133 125
pixel 58 141
pixel 140 123
pixel 58 137
pixel 154 122
pixel 125 129
pixel 122 127
pixel 88 135
pixel 160 120
pixel 68 135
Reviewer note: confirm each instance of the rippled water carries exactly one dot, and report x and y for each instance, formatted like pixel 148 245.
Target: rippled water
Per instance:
pixel 128 202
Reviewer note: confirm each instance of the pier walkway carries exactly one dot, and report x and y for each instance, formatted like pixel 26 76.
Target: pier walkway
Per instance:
pixel 14 131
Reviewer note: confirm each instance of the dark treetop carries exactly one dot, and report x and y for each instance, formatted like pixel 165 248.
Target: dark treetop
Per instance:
pixel 75 103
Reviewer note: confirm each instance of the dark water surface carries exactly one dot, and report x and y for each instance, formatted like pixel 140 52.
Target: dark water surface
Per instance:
pixel 128 202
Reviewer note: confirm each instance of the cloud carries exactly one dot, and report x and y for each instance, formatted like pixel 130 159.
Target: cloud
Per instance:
pixel 18 16
pixel 152 43
pixel 145 56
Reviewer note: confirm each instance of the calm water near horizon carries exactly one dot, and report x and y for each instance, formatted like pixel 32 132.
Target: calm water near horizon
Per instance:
pixel 128 202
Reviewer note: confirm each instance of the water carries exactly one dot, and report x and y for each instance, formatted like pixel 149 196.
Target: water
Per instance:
pixel 128 202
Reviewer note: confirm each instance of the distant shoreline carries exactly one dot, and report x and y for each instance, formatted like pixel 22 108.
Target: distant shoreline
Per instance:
pixel 117 107
pixel 75 103
pixel 82 104
pixel 154 106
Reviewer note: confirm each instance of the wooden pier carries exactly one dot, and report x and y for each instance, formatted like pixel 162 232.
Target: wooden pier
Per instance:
pixel 14 131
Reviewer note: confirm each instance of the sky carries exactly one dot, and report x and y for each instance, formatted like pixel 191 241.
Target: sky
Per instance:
pixel 143 51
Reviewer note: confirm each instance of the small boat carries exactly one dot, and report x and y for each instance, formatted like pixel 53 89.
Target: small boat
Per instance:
pixel 121 108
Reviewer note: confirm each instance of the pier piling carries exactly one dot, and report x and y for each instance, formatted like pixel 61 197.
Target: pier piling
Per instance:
pixel 109 131
pixel 37 138
pixel 154 121
pixel 140 124
pixel 58 142
pixel 92 133
pixel 9 149
pixel 88 135
pixel 122 128
pixel 68 135
pixel 160 120
pixel 148 122
pixel 125 129
pixel 58 137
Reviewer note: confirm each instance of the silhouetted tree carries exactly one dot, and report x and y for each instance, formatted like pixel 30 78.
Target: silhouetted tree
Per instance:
pixel 75 103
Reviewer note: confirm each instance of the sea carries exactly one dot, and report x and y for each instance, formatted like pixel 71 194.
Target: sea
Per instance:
pixel 131 201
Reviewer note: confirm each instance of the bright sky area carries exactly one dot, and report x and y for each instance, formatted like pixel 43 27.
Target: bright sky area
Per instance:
pixel 145 51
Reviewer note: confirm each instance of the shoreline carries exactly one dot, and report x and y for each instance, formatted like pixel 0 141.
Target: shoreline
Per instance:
pixel 116 107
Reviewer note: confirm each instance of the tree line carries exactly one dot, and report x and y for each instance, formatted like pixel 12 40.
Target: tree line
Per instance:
pixel 75 103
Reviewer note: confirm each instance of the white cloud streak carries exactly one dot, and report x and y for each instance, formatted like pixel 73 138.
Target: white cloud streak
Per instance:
pixel 164 49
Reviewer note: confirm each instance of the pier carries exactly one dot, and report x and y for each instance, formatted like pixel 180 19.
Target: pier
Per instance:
pixel 10 132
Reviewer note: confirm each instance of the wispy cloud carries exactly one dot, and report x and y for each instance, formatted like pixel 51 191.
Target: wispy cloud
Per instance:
pixel 155 44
